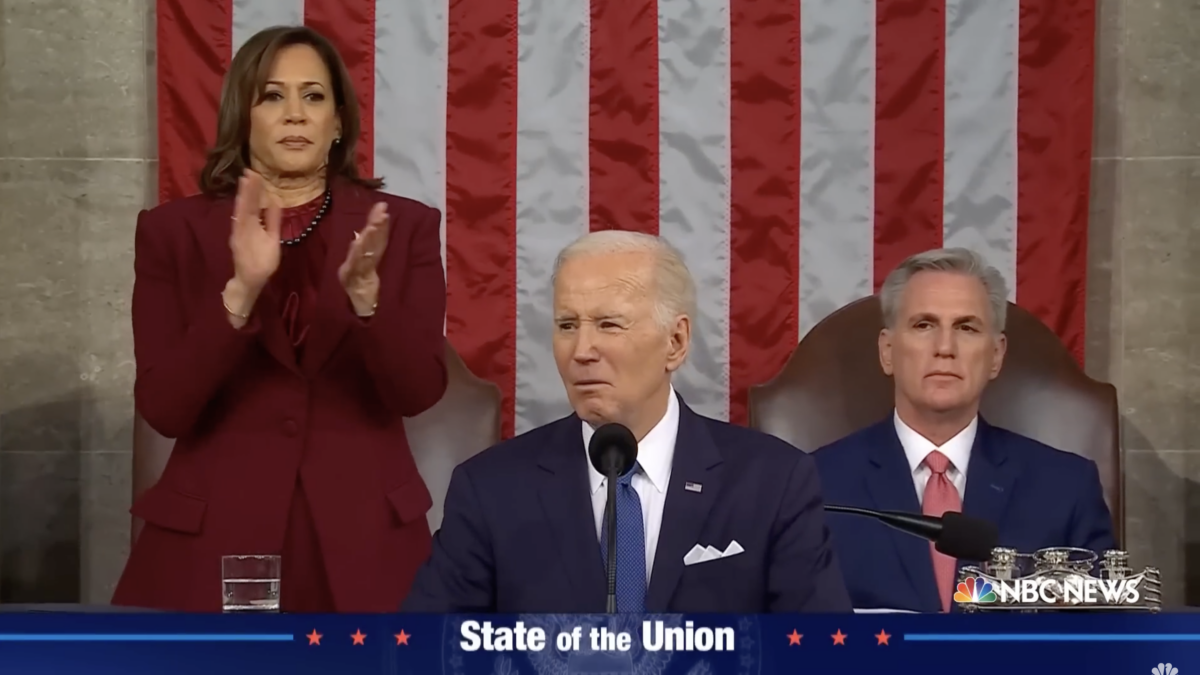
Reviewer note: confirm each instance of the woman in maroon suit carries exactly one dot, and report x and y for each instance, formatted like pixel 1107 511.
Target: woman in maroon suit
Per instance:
pixel 285 321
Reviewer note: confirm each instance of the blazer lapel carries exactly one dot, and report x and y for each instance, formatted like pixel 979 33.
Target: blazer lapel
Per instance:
pixel 697 460
pixel 563 489
pixel 212 233
pixel 890 484
pixel 991 475
pixel 347 215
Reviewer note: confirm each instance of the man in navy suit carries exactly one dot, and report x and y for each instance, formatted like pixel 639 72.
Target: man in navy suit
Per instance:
pixel 942 342
pixel 712 518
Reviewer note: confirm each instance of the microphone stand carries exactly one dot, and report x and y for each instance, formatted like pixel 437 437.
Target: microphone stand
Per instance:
pixel 852 509
pixel 610 516
pixel 952 534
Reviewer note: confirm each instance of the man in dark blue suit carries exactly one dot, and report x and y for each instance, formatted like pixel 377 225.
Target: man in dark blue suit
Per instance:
pixel 712 518
pixel 942 342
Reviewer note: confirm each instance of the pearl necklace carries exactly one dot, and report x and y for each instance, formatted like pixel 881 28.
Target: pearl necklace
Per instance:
pixel 316 219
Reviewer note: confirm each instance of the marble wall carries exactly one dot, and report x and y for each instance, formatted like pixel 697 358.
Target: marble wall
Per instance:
pixel 77 162
pixel 1144 277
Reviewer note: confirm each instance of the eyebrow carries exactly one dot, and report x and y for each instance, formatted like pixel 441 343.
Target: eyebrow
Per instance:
pixel 970 318
pixel 310 83
pixel 575 316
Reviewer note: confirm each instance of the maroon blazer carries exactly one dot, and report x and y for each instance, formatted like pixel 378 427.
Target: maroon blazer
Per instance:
pixel 249 419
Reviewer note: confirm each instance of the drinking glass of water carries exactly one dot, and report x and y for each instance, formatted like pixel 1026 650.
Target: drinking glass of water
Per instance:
pixel 250 583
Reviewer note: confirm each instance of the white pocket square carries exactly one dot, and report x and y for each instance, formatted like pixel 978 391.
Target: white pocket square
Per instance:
pixel 700 554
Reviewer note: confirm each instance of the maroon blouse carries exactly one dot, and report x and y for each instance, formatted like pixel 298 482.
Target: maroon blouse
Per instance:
pixel 299 275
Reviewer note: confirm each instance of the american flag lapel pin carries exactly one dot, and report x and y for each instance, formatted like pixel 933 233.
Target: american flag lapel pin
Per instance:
pixel 693 487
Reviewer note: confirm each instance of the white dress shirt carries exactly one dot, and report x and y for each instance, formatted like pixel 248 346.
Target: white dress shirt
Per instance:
pixel 655 454
pixel 957 450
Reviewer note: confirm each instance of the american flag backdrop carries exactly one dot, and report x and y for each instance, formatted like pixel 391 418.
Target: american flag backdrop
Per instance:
pixel 794 150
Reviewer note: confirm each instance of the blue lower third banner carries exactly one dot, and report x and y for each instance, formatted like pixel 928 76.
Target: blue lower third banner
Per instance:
pixel 1164 644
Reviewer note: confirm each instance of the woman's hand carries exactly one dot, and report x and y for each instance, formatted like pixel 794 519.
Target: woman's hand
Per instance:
pixel 254 243
pixel 359 273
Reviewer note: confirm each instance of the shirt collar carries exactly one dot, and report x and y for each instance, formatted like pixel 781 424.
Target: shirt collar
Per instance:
pixel 655 451
pixel 917 447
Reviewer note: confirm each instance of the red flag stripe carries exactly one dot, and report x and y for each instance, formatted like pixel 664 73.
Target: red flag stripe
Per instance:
pixel 765 219
pixel 350 25
pixel 481 123
pixel 1054 140
pixel 193 44
pixel 623 121
pixel 910 83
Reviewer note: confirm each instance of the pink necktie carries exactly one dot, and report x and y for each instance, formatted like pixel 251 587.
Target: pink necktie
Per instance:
pixel 940 497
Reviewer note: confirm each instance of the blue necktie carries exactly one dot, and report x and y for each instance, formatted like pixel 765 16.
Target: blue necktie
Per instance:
pixel 631 547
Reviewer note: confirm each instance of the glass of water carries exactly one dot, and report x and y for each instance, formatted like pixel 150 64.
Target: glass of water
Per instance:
pixel 250 583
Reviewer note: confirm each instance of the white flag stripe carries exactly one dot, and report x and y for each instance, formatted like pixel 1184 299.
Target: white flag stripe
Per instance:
pixel 552 186
pixel 251 16
pixel 694 169
pixel 980 183
pixel 837 156
pixel 410 100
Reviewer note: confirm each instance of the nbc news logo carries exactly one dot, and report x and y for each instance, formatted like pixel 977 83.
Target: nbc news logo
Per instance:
pixel 974 589
pixel 1164 669
pixel 1085 591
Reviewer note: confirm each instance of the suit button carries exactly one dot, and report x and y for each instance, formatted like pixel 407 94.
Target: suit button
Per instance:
pixel 290 428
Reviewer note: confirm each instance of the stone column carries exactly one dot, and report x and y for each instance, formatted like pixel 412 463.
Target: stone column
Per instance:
pixel 1144 277
pixel 76 166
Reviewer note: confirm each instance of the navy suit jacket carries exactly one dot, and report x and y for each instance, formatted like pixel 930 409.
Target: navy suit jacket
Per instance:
pixel 518 532
pixel 1037 496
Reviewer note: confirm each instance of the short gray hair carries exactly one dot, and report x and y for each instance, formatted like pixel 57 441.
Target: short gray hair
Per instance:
pixel 960 260
pixel 674 288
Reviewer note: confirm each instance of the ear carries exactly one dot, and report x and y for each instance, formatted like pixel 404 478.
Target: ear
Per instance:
pixel 679 338
pixel 885 351
pixel 1001 348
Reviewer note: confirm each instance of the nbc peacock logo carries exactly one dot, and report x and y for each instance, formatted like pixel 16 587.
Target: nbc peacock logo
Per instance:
pixel 1164 669
pixel 974 589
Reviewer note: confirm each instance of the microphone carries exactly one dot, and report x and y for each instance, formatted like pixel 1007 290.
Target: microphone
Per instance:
pixel 954 534
pixel 613 452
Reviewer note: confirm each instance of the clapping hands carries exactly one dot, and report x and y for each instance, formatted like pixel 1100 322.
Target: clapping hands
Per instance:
pixel 359 273
pixel 253 239
pixel 254 243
